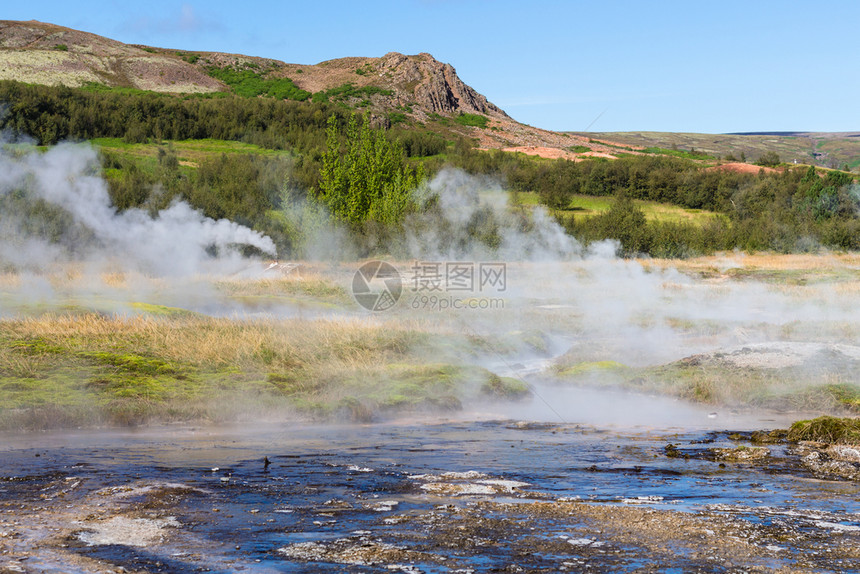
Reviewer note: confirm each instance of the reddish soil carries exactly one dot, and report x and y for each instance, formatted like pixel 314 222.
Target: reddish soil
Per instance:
pixel 556 153
pixel 742 168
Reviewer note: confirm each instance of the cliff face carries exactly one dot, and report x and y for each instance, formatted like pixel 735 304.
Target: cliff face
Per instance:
pixel 433 86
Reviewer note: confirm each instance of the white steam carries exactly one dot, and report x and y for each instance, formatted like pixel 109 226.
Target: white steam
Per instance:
pixel 178 241
pixel 474 221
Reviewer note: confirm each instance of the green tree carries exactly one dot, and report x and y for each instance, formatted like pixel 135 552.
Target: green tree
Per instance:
pixel 368 179
pixel 625 221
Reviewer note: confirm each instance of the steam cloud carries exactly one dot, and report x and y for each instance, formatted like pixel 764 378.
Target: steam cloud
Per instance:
pixel 582 301
pixel 178 241
pixel 467 203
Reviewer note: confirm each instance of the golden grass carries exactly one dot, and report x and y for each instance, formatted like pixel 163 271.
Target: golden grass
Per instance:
pixel 215 342
pixel 764 261
pixel 95 369
pixel 9 281
pixel 310 283
pixel 115 279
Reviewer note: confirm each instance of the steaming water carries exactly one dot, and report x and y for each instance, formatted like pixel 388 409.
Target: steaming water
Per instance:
pixel 328 483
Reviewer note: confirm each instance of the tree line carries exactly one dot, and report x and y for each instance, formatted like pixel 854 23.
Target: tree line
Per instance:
pixel 365 176
pixel 794 209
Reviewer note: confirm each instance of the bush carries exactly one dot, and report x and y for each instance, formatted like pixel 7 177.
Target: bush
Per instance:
pixel 769 159
pixel 472 120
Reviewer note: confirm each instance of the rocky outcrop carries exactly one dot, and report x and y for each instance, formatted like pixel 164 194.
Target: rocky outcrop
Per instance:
pixel 433 86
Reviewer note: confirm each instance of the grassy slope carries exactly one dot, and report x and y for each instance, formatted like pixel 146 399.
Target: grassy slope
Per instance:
pixel 588 205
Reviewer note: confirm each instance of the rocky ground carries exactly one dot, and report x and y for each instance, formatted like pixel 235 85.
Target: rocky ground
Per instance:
pixel 352 518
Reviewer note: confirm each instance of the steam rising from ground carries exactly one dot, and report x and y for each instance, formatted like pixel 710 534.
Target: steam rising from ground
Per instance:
pixel 63 190
pixel 560 298
pixel 475 222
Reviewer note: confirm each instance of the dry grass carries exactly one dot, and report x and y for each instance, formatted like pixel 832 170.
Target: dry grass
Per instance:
pixel 305 283
pixel 760 261
pixel 831 430
pixel 215 342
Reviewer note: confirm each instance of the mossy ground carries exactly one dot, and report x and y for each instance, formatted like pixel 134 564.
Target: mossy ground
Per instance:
pixel 93 369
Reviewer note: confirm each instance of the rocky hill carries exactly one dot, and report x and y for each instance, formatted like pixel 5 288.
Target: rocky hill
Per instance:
pixel 35 52
pixel 416 87
pixel 39 53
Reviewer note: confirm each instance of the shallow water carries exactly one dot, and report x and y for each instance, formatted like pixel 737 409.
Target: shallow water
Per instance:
pixel 363 485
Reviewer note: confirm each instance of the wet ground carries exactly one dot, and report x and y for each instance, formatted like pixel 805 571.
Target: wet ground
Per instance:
pixel 451 496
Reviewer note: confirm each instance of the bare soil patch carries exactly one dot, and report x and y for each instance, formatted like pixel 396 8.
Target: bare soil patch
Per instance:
pixel 738 167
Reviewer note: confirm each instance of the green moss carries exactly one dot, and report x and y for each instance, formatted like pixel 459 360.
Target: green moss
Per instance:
pixel 35 346
pixel 131 363
pixel 162 310
pixel 768 437
pixel 593 367
pixel 505 387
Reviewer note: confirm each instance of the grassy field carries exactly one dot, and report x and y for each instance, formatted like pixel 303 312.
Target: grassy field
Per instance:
pixel 589 205
pixel 840 269
pixel 88 369
pixel 189 152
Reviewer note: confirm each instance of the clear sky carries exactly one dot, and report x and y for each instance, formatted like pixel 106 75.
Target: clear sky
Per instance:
pixel 602 65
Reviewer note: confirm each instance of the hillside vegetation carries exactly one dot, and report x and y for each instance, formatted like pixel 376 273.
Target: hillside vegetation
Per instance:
pixel 179 146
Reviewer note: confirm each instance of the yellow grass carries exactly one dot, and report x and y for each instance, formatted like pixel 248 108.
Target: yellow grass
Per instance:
pixel 765 261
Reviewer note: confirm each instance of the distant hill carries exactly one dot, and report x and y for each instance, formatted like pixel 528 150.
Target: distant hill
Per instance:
pixel 415 88
pixel 833 150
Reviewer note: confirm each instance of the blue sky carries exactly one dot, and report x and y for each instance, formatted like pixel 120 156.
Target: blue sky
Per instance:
pixel 713 67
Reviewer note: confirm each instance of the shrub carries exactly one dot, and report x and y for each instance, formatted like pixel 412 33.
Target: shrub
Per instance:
pixel 472 120
pixel 769 159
